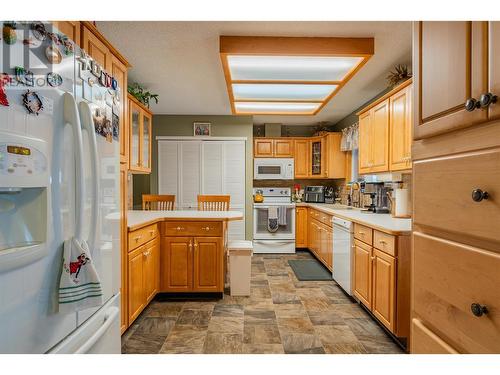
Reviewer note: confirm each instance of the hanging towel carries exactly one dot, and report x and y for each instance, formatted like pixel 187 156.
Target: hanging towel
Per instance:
pixel 79 287
pixel 282 215
pixel 272 219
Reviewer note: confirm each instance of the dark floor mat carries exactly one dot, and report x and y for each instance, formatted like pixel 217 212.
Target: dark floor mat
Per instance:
pixel 309 270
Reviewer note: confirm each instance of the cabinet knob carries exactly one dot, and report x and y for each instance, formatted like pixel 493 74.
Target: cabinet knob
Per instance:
pixel 471 104
pixel 486 99
pixel 478 310
pixel 179 228
pixel 206 228
pixel 478 195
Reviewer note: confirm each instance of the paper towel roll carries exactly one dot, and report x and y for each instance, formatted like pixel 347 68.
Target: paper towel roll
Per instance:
pixel 402 209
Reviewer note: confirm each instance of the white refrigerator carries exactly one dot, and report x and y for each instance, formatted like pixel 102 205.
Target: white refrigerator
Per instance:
pixel 59 178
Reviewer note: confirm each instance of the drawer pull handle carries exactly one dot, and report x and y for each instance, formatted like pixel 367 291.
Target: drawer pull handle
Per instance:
pixel 382 242
pixel 362 233
pixel 206 228
pixel 471 104
pixel 137 238
pixel 478 310
pixel 478 195
pixel 179 228
pixel 486 99
pixel 151 232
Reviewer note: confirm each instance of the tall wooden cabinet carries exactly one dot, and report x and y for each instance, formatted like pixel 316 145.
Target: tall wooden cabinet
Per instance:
pixel 456 242
pixel 400 129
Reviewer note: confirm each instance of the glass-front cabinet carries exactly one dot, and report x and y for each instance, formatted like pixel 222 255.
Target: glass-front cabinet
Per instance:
pixel 140 136
pixel 317 157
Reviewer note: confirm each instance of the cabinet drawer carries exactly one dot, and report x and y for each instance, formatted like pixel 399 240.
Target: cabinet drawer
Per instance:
pixel 186 228
pixel 384 242
pixel 448 278
pixel 363 233
pixel 141 236
pixel 443 194
pixel 424 341
pixel 325 218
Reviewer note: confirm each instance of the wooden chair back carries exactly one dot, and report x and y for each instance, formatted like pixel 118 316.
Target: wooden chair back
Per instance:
pixel 158 202
pixel 213 202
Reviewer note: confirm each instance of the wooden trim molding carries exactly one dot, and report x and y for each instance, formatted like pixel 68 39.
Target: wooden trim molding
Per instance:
pixel 396 89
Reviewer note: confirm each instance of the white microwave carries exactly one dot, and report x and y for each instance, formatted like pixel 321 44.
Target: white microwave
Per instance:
pixel 273 169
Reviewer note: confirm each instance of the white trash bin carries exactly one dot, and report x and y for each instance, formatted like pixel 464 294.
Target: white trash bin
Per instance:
pixel 240 267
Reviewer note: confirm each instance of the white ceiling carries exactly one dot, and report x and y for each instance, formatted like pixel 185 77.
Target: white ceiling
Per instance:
pixel 180 61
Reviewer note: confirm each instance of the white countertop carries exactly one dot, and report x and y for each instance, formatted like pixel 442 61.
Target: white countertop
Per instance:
pixel 383 222
pixel 138 218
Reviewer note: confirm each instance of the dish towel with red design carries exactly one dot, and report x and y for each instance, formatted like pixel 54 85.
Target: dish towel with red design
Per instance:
pixel 79 287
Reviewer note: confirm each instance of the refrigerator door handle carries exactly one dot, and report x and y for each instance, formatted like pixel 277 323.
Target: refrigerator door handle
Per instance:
pixel 72 119
pixel 88 126
pixel 111 316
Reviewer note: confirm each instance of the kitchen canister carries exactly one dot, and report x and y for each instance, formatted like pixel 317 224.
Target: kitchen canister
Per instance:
pixel 402 208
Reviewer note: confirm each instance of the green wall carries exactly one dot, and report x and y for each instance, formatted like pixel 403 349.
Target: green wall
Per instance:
pixel 182 125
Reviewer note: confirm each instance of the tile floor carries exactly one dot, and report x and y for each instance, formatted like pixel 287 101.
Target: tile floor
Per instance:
pixel 282 315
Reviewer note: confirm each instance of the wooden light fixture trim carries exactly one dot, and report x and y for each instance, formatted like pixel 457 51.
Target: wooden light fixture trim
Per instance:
pixel 293 47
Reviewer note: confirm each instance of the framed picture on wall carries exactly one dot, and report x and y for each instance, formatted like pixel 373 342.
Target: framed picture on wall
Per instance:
pixel 201 128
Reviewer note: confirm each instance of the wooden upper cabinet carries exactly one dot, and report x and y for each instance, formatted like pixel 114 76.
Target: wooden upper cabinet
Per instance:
pixel 384 287
pixel 450 67
pixel 263 148
pixel 365 134
pixel 301 227
pixel 69 28
pixel 283 148
pixel 140 136
pixel 301 159
pixel 317 157
pixel 335 159
pixel 207 268
pixel 400 130
pixel 380 137
pixel 96 48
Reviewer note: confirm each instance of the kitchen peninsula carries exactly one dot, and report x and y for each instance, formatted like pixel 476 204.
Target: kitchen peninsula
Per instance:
pixel 174 252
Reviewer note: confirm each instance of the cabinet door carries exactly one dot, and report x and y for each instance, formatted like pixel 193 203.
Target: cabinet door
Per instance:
pixel 424 341
pixel 494 63
pixel 317 157
pixel 119 72
pixel 208 268
pixel 400 130
pixel 328 247
pixel 176 264
pixel 384 285
pixel 136 291
pixel 335 159
pixel 135 136
pixel 151 270
pixel 96 49
pixel 301 159
pixel 450 67
pixel 363 273
pixel 263 148
pixel 380 137
pixel 301 227
pixel 123 248
pixel 283 148
pixel 365 137
pixel 146 141
pixel 69 28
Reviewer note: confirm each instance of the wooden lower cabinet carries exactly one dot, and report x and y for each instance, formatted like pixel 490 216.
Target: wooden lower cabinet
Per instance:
pixel 301 227
pixel 363 273
pixel 320 238
pixel 424 341
pixel 192 264
pixel 143 270
pixel 384 288
pixel 177 264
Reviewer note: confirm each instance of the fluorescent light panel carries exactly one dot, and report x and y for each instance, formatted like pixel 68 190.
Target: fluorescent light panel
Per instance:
pixel 290 68
pixel 276 107
pixel 266 91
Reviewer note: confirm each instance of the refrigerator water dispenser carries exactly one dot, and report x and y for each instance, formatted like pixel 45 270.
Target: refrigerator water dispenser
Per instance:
pixel 24 181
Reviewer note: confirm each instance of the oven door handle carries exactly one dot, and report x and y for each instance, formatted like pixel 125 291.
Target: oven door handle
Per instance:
pixel 281 205
pixel 274 242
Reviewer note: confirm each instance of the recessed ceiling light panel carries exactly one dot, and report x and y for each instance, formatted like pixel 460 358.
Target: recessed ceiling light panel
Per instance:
pixel 266 91
pixel 290 68
pixel 276 107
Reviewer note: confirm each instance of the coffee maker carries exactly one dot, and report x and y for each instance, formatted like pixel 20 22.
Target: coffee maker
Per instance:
pixel 329 194
pixel 379 201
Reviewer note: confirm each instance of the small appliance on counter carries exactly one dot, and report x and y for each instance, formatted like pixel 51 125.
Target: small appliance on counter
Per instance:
pixel 399 198
pixel 315 194
pixel 379 200
pixel 330 194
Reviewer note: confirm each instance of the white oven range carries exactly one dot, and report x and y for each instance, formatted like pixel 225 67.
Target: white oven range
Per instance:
pixel 283 239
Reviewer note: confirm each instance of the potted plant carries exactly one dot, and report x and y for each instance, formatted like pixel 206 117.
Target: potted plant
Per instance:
pixel 141 94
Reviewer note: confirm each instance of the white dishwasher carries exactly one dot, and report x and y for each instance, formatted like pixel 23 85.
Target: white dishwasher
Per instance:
pixel 342 253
